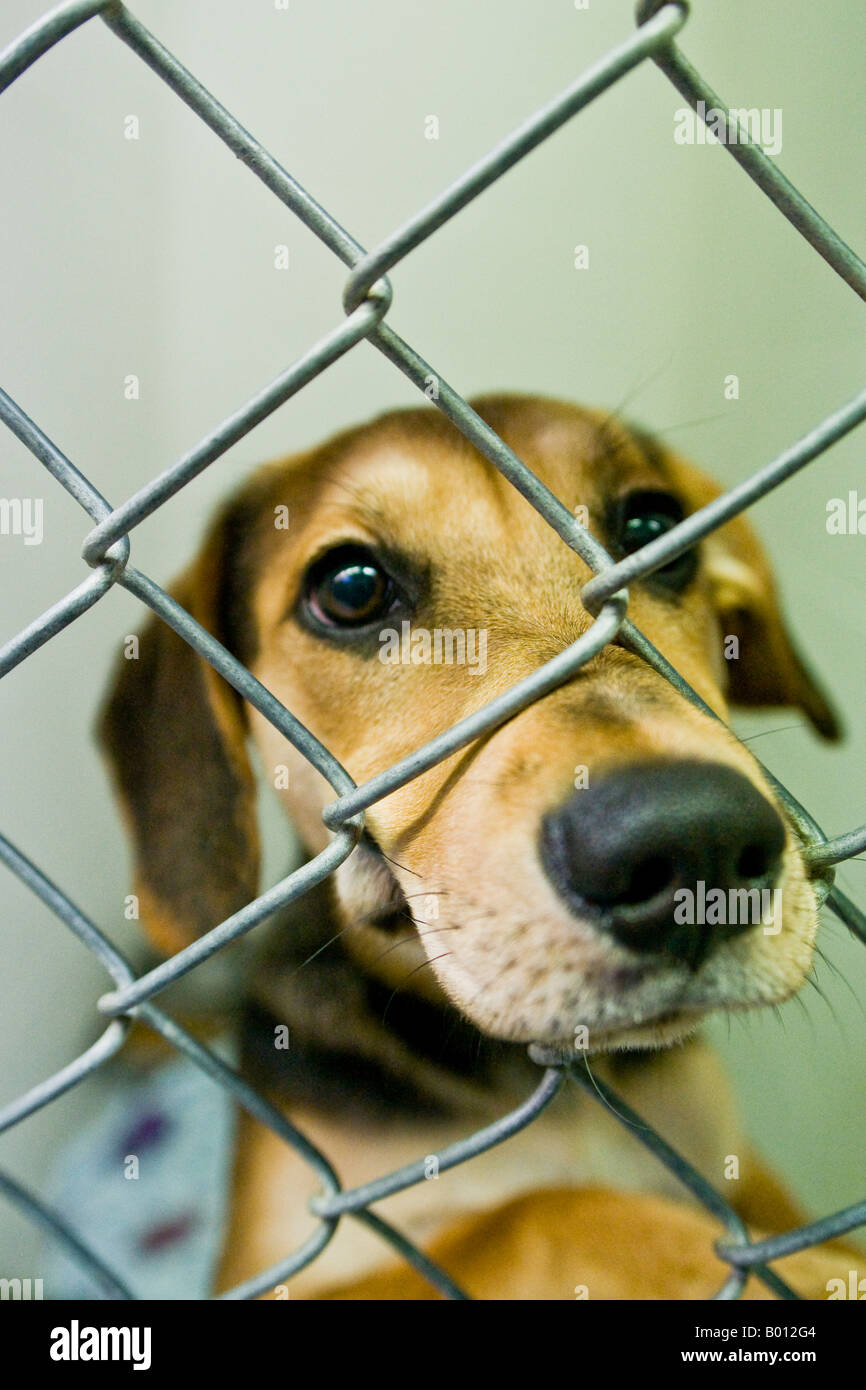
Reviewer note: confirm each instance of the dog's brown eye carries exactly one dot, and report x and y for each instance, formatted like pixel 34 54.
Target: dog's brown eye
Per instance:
pixel 642 517
pixel 348 588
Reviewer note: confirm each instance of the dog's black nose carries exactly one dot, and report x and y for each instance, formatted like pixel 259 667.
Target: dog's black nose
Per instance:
pixel 658 855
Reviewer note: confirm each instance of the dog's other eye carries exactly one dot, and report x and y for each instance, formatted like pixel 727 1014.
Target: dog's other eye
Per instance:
pixel 642 517
pixel 349 588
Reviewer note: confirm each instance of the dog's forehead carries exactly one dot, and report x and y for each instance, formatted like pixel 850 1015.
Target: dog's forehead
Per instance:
pixel 413 478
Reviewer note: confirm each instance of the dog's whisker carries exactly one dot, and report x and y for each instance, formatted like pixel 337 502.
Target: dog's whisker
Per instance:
pixel 811 981
pixel 366 919
pixel 632 1124
pixel 765 733
pixel 409 941
pixel 801 1003
pixel 318 952
pixel 633 392
pixel 831 965
pixel 737 1020
pixel 397 864
pixel 396 990
pixel 376 915
pixel 691 424
pixel 841 977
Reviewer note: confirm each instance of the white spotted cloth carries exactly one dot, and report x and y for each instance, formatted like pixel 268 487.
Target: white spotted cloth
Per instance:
pixel 161 1232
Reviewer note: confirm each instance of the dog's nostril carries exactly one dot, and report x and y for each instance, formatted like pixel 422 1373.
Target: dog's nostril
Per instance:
pixel 753 862
pixel 648 880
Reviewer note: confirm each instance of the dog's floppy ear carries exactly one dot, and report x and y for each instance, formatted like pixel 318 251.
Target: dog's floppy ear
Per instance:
pixel 175 735
pixel 764 666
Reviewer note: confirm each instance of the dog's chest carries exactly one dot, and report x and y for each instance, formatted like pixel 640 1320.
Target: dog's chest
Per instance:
pixel 574 1143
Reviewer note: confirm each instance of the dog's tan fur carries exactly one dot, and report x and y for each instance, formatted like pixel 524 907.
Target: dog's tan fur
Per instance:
pixel 460 840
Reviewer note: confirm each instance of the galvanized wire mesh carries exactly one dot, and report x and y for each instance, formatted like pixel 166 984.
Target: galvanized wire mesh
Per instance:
pixel 106 550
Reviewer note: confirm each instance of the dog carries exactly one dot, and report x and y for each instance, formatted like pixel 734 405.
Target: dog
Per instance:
pixel 519 892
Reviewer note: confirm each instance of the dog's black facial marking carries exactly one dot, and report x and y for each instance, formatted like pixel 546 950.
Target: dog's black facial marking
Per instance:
pixel 391 920
pixel 438 1032
pixel 356 1044
pixel 393 915
pixel 337 1078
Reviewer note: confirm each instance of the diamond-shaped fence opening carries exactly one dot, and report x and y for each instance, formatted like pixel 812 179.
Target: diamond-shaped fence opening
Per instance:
pixel 106 549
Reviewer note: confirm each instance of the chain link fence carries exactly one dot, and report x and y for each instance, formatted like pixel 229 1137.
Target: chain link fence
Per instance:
pixel 106 549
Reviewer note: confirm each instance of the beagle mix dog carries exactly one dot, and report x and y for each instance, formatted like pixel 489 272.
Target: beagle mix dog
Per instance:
pixel 524 890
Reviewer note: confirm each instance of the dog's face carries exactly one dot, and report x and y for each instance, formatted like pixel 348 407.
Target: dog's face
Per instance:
pixel 594 863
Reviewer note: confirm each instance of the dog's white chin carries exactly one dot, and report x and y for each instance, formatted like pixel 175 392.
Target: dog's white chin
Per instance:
pixel 658 1033
pixel 662 1031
